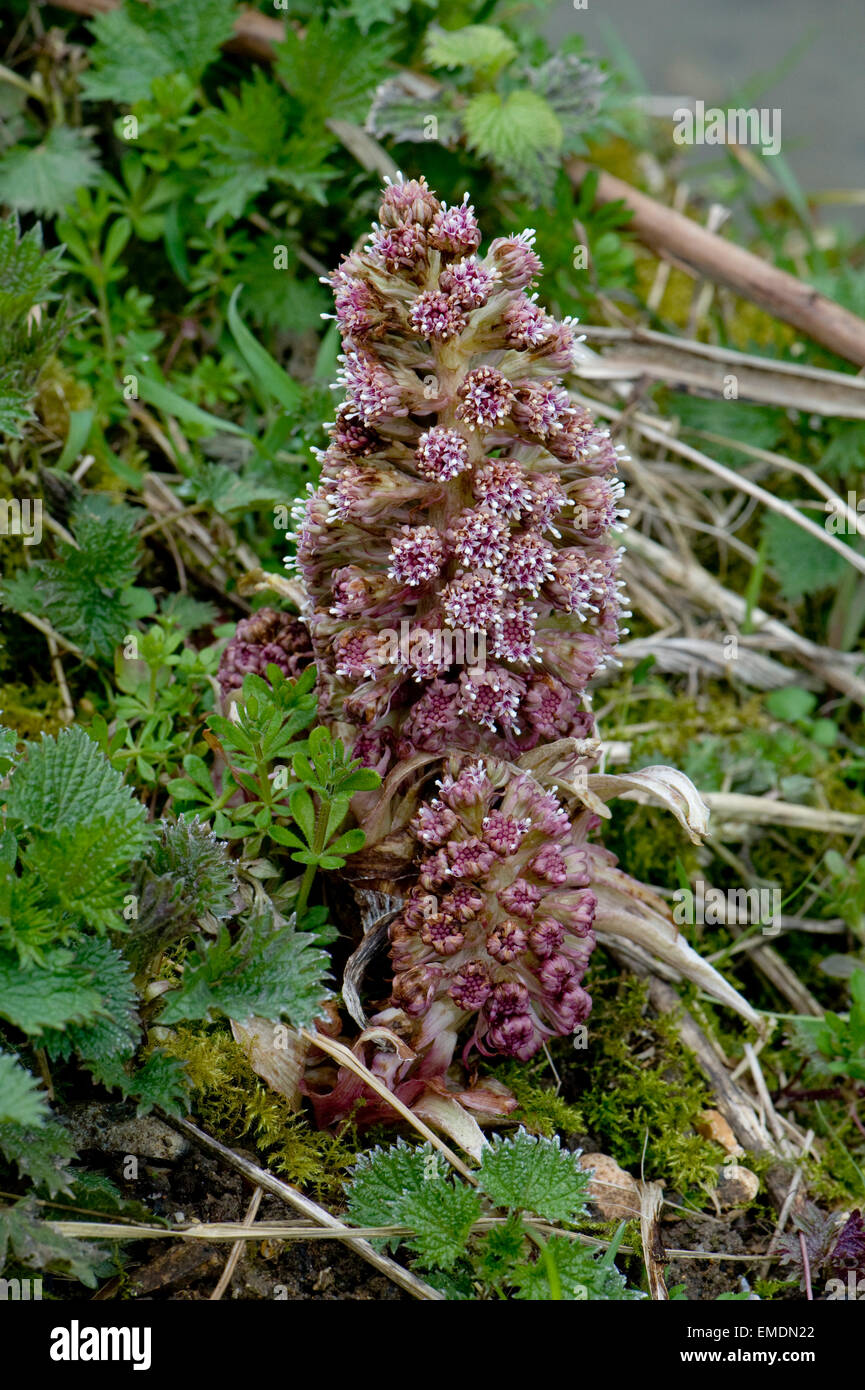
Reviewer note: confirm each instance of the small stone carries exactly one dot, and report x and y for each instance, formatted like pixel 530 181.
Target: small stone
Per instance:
pixel 612 1191
pixel 737 1186
pixel 147 1137
pixel 712 1125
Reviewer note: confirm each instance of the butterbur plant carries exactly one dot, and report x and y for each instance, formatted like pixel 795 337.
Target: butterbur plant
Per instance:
pixel 464 501
pixel 461 569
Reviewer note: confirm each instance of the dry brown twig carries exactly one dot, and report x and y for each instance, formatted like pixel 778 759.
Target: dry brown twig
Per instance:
pixel 699 252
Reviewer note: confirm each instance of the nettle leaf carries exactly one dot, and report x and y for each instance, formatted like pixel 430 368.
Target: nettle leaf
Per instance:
pixel 846 449
pixel 52 994
pixel 27 270
pixel 44 178
pixel 442 1215
pixel 185 880
pixel 163 1082
pixel 763 426
pixel 85 826
pixel 21 1099
pixel 41 1155
pixel 531 1173
pixel 801 563
pixel 140 42
pixel 113 1037
pixel 328 89
pixel 266 972
pixel 404 1186
pixel 81 593
pixel 287 299
pixel 481 47
pixel 384 1180
pixel 582 1275
pixel 33 1244
pixel 227 491
pixel 521 134
pixel 247 146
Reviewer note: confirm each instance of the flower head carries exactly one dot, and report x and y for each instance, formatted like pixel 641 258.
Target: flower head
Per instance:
pixel 511 942
pixel 266 638
pixel 464 500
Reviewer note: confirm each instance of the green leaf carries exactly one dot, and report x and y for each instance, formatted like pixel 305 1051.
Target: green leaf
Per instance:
pixel 82 592
pixel 27 276
pixel 248 144
pixel 384 1181
pixel 113 1037
pixel 846 449
pixel 762 426
pixel 275 383
pixel 84 825
pixel 802 564
pixel 572 85
pixel 44 178
pixel 442 1215
pixel 285 837
pixel 138 43
pixel 21 1099
pixel 43 1155
pixel 162 1082
pixel 581 1275
pixel 366 13
pixel 328 90
pixel 791 704
pixel 281 297
pixel 303 812
pixel 80 423
pixel 481 47
pixel 534 1174
pixel 349 843
pixel 363 780
pixel 405 1186
pixel 266 973
pixel 51 995
pixel 521 134
pixel 155 393
pixel 35 1245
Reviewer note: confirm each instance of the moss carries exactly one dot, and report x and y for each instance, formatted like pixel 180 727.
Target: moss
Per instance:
pixel 233 1104
pixel 641 1091
pixel 31 710
pixel 541 1110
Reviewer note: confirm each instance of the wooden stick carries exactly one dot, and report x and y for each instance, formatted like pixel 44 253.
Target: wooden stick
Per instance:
pixel 237 1247
pixel 690 247
pixel 654 1254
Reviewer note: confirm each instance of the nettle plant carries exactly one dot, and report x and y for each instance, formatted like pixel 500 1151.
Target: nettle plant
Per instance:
pixel 461 569
pixel 491 1240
